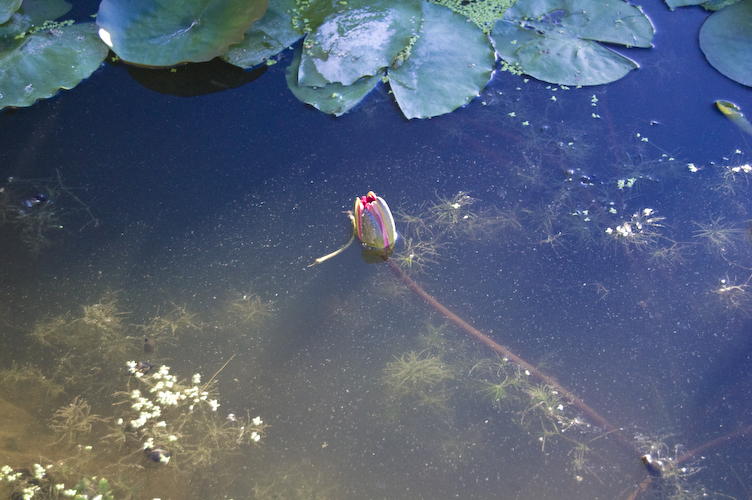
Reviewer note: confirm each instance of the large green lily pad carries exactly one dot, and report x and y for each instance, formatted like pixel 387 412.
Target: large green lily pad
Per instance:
pixel 334 98
pixel 39 11
pixel 49 60
pixel 726 41
pixel 357 42
pixel 556 40
pixel 707 4
pixel 17 25
pixel 444 64
pixel 268 36
pixel 163 33
pixel 8 8
pixel 449 64
pixel 34 15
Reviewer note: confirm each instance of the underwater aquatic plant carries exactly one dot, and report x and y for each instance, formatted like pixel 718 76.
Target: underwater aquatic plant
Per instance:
pixel 544 399
pixel 500 392
pixel 421 375
pixel 386 286
pixel 46 331
pixel 435 338
pixel 27 381
pixel 639 232
pixel 170 325
pixel 734 175
pixel 89 349
pixel 48 483
pixel 718 237
pixel 414 225
pixel 670 468
pixel 449 212
pixel 296 482
pixel 167 417
pixel 74 421
pixel 40 208
pixel 417 254
pixel 734 294
pixel 500 381
pixel 488 222
pixel 250 309
pixel 668 255
pixel 449 216
pixel 105 313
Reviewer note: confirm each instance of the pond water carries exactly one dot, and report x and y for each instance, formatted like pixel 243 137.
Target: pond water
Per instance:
pixel 602 234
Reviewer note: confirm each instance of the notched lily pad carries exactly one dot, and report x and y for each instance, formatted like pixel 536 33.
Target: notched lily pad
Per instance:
pixel 334 98
pixel 357 42
pixel 46 61
pixel 726 41
pixel 556 40
pixel 163 33
pixel 449 64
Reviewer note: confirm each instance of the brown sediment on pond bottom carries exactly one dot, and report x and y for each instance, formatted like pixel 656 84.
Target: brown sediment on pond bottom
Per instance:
pixel 593 416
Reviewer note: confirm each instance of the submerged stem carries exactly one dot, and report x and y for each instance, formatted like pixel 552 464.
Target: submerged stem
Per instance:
pixel 503 351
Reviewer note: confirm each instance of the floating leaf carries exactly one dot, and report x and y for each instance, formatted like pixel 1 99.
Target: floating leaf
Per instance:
pixel 707 4
pixel 268 36
pixel 39 11
pixel 334 98
pixel 726 41
pixel 163 33
pixel 46 61
pixel 449 64
pixel 718 4
pixel 17 25
pixel 672 4
pixel 7 8
pixel 556 40
pixel 34 15
pixel 357 42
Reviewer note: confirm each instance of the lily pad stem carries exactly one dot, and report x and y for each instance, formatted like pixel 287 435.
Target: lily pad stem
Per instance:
pixel 534 372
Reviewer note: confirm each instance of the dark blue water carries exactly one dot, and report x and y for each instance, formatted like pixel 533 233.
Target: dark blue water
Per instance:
pixel 198 200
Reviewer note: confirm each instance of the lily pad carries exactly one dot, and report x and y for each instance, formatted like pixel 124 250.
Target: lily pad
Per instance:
pixel 163 33
pixel 707 4
pixel 672 4
pixel 34 15
pixel 268 36
pixel 8 8
pixel 556 40
pixel 718 4
pixel 47 61
pixel 39 11
pixel 17 25
pixel 726 41
pixel 358 41
pixel 334 98
pixel 449 64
